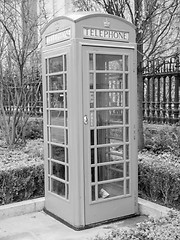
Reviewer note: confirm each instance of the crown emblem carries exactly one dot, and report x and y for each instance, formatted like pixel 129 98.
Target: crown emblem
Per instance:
pixel 57 27
pixel 106 23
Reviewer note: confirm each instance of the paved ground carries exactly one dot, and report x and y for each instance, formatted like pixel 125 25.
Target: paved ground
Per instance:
pixel 40 226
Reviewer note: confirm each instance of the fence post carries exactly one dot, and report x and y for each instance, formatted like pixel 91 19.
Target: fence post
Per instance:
pixel 164 100
pixel 170 100
pixel 177 84
pixel 148 99
pixel 176 99
pixel 144 104
pixel 158 99
pixel 153 99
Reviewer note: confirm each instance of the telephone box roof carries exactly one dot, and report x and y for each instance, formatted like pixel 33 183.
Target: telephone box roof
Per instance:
pixel 79 16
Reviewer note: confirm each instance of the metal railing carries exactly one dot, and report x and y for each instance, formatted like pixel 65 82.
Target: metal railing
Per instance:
pixel 161 94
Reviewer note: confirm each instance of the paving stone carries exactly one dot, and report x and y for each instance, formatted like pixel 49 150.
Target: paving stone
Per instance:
pixel 20 236
pixel 40 226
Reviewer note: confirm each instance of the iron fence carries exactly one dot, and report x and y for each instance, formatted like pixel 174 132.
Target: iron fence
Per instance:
pixel 33 99
pixel 161 94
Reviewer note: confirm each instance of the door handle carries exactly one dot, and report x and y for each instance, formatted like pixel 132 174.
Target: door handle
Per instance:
pixel 85 119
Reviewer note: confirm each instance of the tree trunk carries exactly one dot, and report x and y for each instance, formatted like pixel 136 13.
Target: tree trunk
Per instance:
pixel 140 110
pixel 139 37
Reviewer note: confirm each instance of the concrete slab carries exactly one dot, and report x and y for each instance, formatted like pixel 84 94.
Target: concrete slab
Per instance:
pixel 27 221
pixel 40 226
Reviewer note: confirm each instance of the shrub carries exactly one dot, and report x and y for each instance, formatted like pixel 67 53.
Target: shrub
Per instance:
pixel 166 228
pixel 162 138
pixel 21 183
pixel 159 178
pixel 22 172
pixel 34 129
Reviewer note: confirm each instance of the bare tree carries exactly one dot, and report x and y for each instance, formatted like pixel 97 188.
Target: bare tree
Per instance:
pixel 157 32
pixel 19 65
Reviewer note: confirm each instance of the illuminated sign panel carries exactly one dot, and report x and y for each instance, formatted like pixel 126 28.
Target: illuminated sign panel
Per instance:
pixel 58 37
pixel 105 34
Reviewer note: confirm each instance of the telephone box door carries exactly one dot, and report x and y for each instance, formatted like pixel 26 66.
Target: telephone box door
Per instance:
pixel 110 161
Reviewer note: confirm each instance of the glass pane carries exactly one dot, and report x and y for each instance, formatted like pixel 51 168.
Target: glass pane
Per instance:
pixel 110 154
pixel 108 190
pixel 56 64
pixel 108 172
pixel 127 134
pixel 65 63
pixel 92 156
pixel 49 184
pixel 92 174
pixel 57 135
pixel 90 61
pixel 92 119
pixel 57 153
pixel 126 81
pixel 46 66
pixel 49 167
pixel 126 99
pixel 67 156
pixel 109 81
pixel 58 187
pixel 109 117
pixel 127 169
pixel 91 100
pixel 47 98
pixel 56 100
pixel 91 80
pixel 109 62
pixel 126 63
pixel 48 150
pixel 56 82
pixel 67 173
pixel 58 170
pixel 127 186
pixel 65 98
pixel 127 116
pixel 92 137
pixel 65 81
pixel 47 89
pixel 109 99
pixel 67 187
pixel 127 151
pixel 57 117
pixel 66 137
pixel 48 133
pixel 110 135
pixel 93 193
pixel 48 118
pixel 66 118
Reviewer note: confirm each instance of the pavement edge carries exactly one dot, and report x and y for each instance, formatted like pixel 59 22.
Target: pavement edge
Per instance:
pixel 36 205
pixel 21 208
pixel 152 209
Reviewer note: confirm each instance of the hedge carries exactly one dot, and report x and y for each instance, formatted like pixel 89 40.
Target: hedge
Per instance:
pixel 21 183
pixel 22 172
pixel 159 178
pixel 22 176
pixel 166 228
